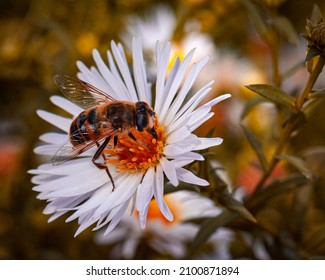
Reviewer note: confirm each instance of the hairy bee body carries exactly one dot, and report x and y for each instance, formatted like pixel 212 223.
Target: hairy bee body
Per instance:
pixel 113 118
pixel 103 119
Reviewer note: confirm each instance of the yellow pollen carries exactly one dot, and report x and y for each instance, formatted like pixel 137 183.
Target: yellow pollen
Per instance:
pixel 138 155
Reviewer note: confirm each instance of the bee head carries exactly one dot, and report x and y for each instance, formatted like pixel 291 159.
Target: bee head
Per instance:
pixel 144 118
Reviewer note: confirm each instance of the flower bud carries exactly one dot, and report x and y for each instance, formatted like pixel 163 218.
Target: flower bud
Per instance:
pixel 315 35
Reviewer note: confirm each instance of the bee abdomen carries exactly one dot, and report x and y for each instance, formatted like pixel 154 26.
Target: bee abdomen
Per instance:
pixel 84 127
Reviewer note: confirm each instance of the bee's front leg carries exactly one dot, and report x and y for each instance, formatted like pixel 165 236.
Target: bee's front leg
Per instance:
pixel 102 165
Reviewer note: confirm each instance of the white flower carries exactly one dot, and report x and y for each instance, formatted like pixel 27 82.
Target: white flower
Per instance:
pixel 139 166
pixel 159 24
pixel 168 238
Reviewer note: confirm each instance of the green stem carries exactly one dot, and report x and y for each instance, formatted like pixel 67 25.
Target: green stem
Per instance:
pixel 289 127
pixel 275 62
pixel 311 81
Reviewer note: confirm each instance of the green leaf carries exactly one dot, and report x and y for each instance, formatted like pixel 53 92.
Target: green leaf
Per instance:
pixel 250 105
pixel 219 183
pixel 310 107
pixel 270 219
pixel 274 94
pixel 209 226
pixel 211 132
pixel 276 188
pixel 232 204
pixel 298 163
pixel 257 147
pixel 318 93
pixel 256 18
pixel 286 29
pixel 315 239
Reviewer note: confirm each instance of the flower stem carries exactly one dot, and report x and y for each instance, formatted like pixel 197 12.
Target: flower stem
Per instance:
pixel 311 81
pixel 275 62
pixel 289 127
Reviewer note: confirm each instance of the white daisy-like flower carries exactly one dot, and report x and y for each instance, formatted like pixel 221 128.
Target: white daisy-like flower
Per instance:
pixel 137 166
pixel 159 24
pixel 165 237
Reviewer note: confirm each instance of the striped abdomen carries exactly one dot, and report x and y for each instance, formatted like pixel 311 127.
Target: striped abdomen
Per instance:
pixel 102 121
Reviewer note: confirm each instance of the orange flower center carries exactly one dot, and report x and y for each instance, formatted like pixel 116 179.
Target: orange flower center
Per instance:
pixel 154 212
pixel 138 155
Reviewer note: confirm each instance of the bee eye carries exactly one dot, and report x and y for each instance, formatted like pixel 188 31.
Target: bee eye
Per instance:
pixel 141 122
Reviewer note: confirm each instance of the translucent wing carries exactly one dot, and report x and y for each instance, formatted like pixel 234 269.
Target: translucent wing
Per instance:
pixel 81 93
pixel 69 151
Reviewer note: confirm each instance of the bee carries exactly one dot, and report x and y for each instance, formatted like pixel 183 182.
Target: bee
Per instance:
pixel 101 123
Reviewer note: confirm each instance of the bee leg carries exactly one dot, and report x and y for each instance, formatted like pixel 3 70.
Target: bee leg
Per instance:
pixel 102 165
pixel 115 141
pixel 153 132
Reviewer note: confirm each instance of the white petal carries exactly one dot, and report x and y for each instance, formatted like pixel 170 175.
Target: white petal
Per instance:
pixel 180 96
pixel 200 121
pixel 188 177
pixel 66 105
pixel 72 185
pixel 125 72
pixel 185 112
pixel 58 121
pixel 69 167
pixel 178 135
pixel 115 88
pixel 208 142
pixel 48 150
pixel 96 199
pixel 126 188
pixel 159 194
pixel 162 57
pixel 185 159
pixel 54 138
pixel 63 203
pixel 116 217
pixel 116 81
pixel 190 79
pixel 169 170
pixel 145 191
pixel 129 247
pixel 184 146
pixel 83 226
pixel 139 71
pixel 177 149
pixel 143 217
pixel 176 83
pixel 217 99
pixel 92 76
pixel 198 114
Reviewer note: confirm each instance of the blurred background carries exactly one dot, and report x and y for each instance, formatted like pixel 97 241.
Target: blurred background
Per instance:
pixel 42 38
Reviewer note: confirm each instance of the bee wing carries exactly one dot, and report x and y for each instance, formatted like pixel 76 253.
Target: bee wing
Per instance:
pixel 69 151
pixel 81 93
